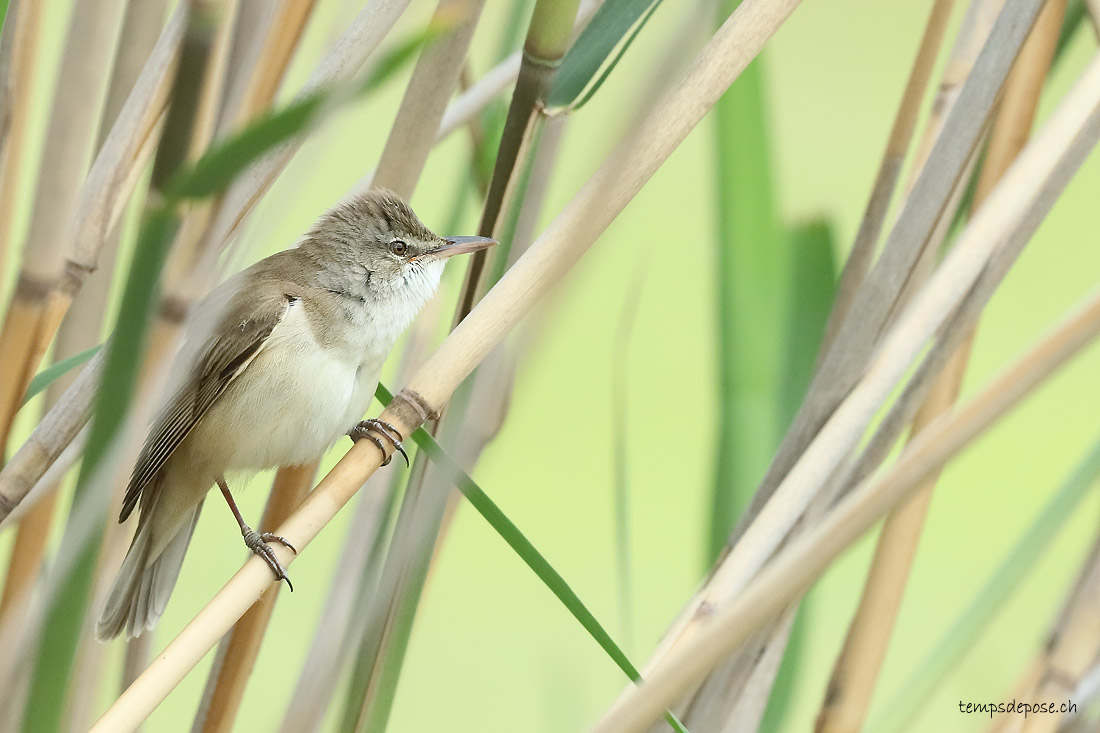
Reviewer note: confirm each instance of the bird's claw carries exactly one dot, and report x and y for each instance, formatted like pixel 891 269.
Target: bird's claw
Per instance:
pixel 257 543
pixel 372 429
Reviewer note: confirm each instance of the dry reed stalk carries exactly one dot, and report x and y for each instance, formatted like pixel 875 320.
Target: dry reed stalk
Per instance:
pixel 253 26
pixel 50 437
pixel 20 91
pixel 781 499
pixel 882 190
pixel 434 80
pixel 189 245
pixel 973 33
pixel 1093 8
pixel 283 33
pixel 361 38
pixel 49 481
pixel 42 293
pixel 238 651
pixel 128 147
pixel 857 667
pixel 1070 652
pixel 7 44
pixel 81 329
pixel 633 162
pixel 123 154
pixel 795 568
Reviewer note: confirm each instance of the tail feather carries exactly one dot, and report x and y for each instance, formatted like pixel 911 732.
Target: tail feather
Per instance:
pixel 141 589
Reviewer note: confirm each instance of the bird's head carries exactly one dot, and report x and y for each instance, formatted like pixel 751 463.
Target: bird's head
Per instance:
pixel 377 247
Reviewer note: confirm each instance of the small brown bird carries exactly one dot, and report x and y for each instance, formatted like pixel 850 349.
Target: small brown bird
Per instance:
pixel 278 363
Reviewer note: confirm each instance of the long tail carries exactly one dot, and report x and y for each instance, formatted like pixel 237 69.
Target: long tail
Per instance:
pixel 143 584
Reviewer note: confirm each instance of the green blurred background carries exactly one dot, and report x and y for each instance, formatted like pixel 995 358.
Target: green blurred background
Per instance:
pixel 492 650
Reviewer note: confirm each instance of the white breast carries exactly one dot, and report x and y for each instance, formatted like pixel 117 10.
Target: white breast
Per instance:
pixel 294 401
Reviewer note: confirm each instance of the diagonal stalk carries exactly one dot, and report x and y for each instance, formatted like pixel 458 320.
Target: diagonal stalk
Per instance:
pixel 793 570
pixel 882 190
pixel 237 653
pixel 780 499
pixel 857 666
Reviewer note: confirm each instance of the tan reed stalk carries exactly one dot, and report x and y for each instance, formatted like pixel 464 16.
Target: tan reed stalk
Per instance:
pixel 283 33
pixel 434 80
pixel 792 571
pixel 1093 8
pixel 238 651
pixel 189 244
pixel 857 667
pixel 20 91
pixel 773 513
pixel 901 134
pixel 1070 652
pixel 573 231
pixel 81 330
pixel 42 295
pixel 361 38
pixel 123 154
pixel 7 44
pixel 56 430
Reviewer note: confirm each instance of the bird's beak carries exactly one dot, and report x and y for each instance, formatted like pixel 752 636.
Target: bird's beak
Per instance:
pixel 459 246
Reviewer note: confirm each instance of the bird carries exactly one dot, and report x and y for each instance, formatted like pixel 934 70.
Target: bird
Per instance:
pixel 276 365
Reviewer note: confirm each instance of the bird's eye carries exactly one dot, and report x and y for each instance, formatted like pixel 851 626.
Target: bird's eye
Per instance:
pixel 399 248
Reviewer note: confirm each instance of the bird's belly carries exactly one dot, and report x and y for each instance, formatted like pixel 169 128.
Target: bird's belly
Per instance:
pixel 287 408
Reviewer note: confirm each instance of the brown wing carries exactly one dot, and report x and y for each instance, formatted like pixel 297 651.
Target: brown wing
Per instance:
pixel 243 331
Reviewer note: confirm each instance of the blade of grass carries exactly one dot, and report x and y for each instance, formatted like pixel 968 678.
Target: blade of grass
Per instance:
pixel 813 291
pixel 65 617
pixel 752 276
pixel 594 47
pixel 595 87
pixel 53 372
pixel 526 551
pixel 620 360
pixel 732 697
pixel 3 14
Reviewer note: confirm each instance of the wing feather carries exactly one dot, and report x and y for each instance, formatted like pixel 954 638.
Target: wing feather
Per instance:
pixel 222 358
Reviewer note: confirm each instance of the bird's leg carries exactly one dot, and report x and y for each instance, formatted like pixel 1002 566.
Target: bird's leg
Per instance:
pixel 257 541
pixel 371 429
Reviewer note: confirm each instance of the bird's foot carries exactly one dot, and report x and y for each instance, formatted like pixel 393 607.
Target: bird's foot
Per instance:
pixel 257 542
pixel 372 429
